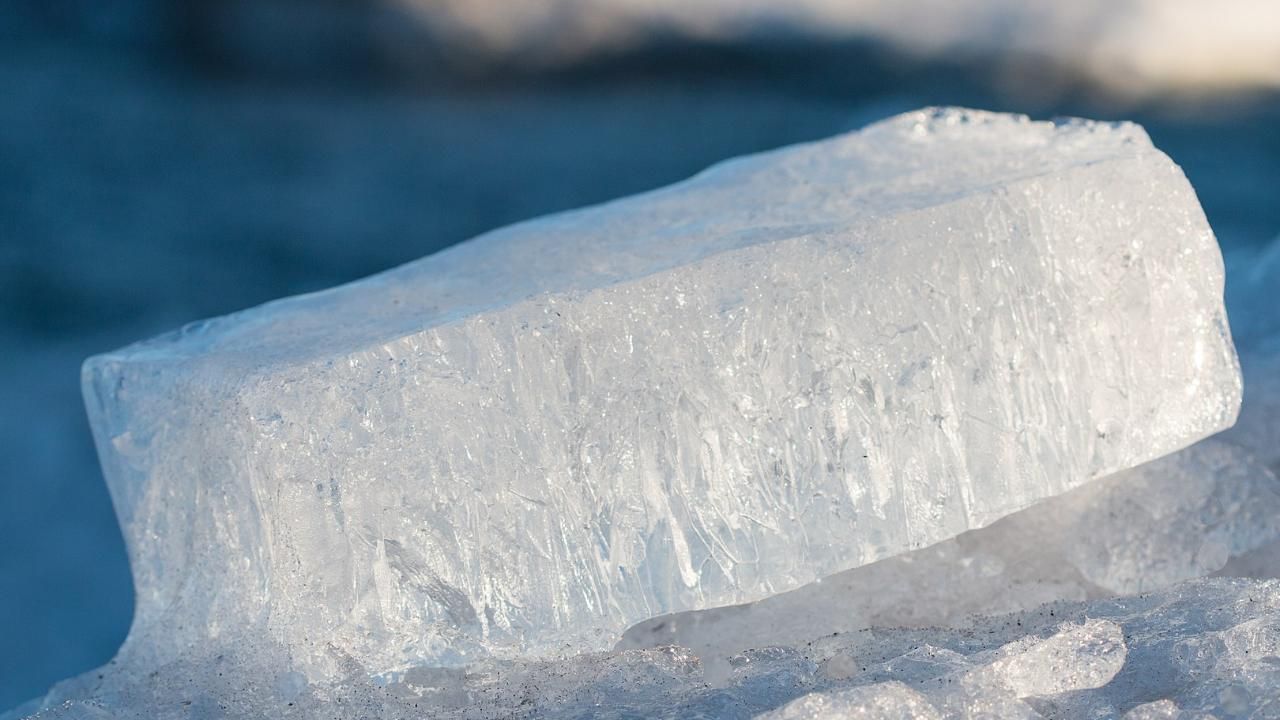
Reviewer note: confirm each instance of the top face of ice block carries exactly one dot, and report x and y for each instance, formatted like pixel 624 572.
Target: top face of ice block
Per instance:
pixel 789 365
pixel 909 163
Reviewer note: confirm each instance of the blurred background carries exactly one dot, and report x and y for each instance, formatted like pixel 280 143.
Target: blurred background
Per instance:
pixel 167 160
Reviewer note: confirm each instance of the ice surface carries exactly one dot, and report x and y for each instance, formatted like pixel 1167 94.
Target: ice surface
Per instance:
pixel 790 365
pixel 882 701
pixel 1204 646
pixel 1210 508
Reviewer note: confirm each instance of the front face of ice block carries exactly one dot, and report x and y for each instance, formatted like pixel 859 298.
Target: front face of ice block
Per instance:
pixel 788 366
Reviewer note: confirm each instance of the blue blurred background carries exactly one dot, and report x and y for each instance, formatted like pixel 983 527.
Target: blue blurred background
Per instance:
pixel 163 161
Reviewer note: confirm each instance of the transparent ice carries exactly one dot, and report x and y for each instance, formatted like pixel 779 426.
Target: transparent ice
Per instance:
pixel 447 491
pixel 790 365
pixel 1208 509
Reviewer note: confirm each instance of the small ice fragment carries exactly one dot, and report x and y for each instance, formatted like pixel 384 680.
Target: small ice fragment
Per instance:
pixel 883 701
pixel 1077 657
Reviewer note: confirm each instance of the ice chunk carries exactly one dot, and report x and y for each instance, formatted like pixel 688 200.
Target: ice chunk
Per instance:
pixel 789 365
pixel 985 684
pixel 1075 658
pixel 882 701
pixel 1162 710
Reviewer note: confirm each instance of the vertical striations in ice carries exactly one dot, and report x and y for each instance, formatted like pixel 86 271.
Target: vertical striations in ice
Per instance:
pixel 790 365
pixel 1211 508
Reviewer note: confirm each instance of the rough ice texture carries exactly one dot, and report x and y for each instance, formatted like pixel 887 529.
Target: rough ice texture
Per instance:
pixel 1200 647
pixel 1205 646
pixel 1189 649
pixel 1177 652
pixel 790 365
pixel 1212 508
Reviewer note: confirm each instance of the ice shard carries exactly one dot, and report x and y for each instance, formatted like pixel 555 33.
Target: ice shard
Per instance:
pixel 789 365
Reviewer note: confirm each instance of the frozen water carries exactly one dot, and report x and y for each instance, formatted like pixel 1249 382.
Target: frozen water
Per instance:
pixel 1204 646
pixel 882 701
pixel 790 365
pixel 1197 648
pixel 1207 509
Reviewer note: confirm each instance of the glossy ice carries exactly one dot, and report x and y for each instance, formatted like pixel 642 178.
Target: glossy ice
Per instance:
pixel 792 364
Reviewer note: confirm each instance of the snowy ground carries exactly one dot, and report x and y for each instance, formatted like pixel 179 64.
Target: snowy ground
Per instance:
pixel 139 191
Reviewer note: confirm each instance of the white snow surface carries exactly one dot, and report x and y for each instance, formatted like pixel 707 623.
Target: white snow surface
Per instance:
pixel 793 364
